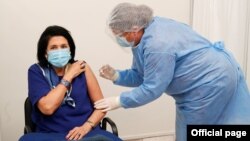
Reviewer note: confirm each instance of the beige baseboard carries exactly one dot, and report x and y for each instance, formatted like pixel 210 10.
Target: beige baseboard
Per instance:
pixel 147 137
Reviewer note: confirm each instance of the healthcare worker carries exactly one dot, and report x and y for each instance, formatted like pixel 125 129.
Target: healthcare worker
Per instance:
pixel 168 56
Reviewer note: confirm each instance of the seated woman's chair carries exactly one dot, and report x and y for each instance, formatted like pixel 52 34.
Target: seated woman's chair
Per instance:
pixel 30 126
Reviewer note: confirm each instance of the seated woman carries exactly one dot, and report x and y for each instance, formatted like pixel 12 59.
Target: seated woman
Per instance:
pixel 62 92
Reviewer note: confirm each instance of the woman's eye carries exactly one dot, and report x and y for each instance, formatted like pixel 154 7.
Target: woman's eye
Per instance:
pixel 53 48
pixel 65 46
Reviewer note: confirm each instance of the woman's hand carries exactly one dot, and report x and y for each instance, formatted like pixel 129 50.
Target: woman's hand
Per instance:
pixel 74 70
pixel 78 133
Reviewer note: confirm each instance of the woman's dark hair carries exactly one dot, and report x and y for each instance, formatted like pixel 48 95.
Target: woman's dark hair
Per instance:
pixel 49 32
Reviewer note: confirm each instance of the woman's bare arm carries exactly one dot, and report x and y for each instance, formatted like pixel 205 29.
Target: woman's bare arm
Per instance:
pixel 95 94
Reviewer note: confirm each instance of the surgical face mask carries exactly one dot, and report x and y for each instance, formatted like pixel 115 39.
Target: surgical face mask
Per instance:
pixel 123 42
pixel 59 58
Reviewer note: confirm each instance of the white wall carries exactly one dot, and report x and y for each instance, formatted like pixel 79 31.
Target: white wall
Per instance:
pixel 22 23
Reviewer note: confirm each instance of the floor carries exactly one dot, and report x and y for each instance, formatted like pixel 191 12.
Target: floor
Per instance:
pixel 162 138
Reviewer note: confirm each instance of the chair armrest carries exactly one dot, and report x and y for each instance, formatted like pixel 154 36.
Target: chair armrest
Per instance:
pixel 111 123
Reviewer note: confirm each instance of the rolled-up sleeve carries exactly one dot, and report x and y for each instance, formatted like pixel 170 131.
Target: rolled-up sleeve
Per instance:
pixel 37 84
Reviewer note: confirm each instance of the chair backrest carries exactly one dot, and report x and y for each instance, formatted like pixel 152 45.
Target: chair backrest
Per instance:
pixel 29 124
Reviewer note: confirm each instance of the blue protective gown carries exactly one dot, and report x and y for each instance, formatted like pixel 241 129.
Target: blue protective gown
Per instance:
pixel 203 77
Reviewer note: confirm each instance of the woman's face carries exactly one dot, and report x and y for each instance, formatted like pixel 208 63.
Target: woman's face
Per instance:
pixel 58 51
pixel 57 42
